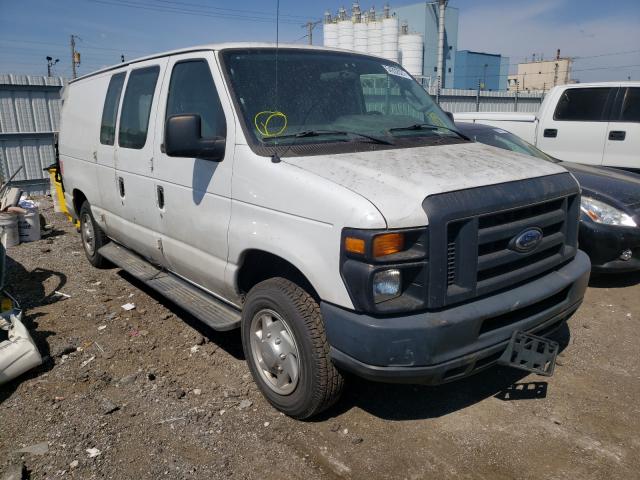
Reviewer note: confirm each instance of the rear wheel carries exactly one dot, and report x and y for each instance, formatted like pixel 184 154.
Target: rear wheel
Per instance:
pixel 93 238
pixel 286 349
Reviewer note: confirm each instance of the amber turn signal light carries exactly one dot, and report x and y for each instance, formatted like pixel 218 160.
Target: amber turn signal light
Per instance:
pixel 387 244
pixel 354 245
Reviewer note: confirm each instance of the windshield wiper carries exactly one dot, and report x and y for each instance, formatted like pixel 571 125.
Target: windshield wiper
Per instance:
pixel 428 126
pixel 318 133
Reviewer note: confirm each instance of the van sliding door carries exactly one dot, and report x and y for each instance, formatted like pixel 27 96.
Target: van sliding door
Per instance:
pixel 139 225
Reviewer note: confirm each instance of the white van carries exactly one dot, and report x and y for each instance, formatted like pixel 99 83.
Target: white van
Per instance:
pixel 321 201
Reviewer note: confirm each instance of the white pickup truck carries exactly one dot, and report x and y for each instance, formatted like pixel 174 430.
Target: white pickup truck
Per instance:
pixel 595 124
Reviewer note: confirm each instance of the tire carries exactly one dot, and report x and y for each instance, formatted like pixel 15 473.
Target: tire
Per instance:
pixel 92 237
pixel 318 384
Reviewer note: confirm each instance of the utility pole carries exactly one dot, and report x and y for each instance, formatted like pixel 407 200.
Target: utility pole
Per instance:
pixel 484 77
pixel 75 56
pixel 442 4
pixel 310 25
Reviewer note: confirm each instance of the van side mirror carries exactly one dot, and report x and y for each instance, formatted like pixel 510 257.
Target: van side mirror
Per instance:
pixel 450 115
pixel 182 138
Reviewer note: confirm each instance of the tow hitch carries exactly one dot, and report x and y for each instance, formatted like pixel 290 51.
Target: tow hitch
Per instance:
pixel 531 353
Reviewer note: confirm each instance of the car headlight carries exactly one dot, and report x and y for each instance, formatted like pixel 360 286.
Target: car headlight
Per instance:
pixel 386 285
pixel 601 212
pixel 385 271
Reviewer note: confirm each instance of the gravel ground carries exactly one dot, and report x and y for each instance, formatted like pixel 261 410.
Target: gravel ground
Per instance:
pixel 151 393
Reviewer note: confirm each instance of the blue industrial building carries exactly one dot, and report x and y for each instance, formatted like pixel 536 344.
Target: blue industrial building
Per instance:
pixel 487 70
pixel 422 18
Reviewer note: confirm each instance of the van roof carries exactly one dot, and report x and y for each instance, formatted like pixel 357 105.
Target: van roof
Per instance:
pixel 213 46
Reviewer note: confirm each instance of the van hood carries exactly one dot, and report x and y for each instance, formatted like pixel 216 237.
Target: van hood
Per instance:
pixel 397 181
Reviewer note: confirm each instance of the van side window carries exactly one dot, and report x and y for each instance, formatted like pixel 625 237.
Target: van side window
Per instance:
pixel 192 91
pixel 582 105
pixel 110 109
pixel 631 106
pixel 136 107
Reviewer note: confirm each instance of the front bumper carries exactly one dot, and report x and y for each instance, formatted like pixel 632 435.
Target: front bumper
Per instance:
pixel 605 243
pixel 439 346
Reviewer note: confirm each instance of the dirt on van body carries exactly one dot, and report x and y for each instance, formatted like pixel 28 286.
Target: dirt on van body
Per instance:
pixel 151 393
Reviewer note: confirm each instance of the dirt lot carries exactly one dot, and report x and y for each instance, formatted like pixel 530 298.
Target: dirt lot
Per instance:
pixel 161 396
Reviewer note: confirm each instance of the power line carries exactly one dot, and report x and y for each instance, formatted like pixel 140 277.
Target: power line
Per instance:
pixel 208 7
pixel 607 54
pixel 191 12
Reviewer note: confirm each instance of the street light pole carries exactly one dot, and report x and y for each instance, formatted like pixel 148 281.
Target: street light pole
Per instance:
pixel 50 63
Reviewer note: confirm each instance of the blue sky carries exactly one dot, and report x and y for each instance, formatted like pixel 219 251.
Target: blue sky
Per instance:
pixel 32 29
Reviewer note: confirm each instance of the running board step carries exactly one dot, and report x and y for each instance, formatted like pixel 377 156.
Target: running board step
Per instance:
pixel 201 305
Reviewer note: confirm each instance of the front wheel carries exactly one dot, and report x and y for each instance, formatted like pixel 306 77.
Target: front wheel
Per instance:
pixel 93 238
pixel 286 348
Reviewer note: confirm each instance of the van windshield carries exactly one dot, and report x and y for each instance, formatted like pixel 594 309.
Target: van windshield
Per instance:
pixel 328 97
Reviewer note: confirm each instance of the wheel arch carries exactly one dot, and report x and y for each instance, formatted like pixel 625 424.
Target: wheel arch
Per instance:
pixel 78 199
pixel 258 265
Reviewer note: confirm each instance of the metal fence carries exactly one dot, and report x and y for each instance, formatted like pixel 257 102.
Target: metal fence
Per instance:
pixel 29 118
pixel 455 100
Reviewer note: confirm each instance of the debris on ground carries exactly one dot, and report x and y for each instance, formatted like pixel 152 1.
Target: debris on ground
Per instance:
pixel 18 353
pixel 87 361
pixel 36 449
pixel 93 452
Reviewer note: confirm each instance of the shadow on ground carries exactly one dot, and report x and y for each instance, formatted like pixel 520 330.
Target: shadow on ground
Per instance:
pixel 228 341
pixel 27 287
pixel 614 280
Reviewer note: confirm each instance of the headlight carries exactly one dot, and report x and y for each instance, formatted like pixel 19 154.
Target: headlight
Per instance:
pixel 385 271
pixel 604 213
pixel 386 285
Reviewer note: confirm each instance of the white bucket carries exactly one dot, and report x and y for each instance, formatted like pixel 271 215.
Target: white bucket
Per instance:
pixel 9 230
pixel 29 226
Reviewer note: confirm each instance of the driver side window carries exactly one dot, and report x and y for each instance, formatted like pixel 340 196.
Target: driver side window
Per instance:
pixel 192 91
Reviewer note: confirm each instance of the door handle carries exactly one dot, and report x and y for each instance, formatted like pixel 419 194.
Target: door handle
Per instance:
pixel 160 196
pixel 617 135
pixel 121 186
pixel 550 132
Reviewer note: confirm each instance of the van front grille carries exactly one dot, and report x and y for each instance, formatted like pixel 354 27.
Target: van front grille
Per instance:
pixel 473 251
pixel 497 262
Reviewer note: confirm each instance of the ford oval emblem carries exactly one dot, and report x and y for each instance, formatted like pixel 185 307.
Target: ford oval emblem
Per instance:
pixel 526 241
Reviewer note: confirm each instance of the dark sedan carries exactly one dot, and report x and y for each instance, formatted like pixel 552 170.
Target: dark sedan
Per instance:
pixel 610 206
